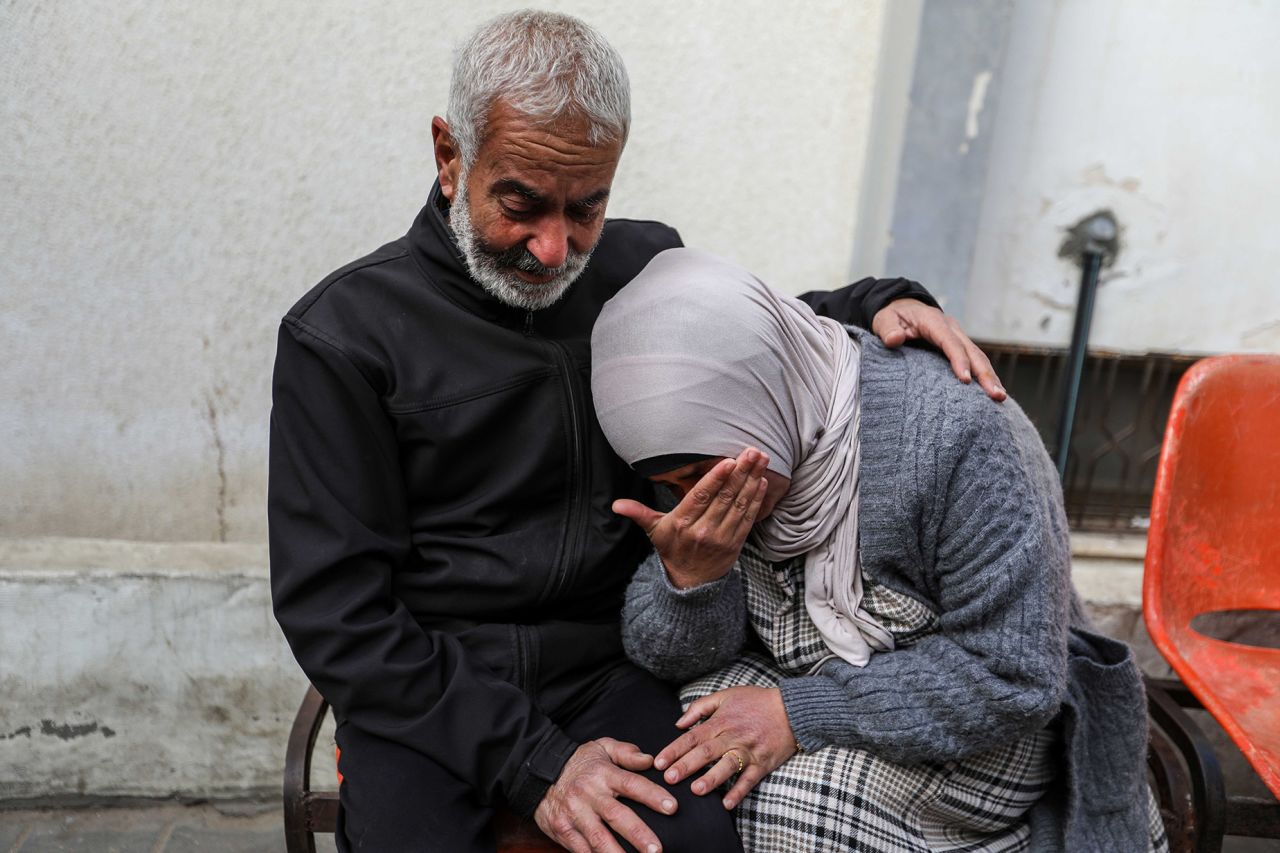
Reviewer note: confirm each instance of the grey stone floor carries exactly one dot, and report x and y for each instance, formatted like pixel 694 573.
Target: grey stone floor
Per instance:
pixel 225 827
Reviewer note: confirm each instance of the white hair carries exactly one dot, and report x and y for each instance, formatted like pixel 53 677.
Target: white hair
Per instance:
pixel 545 66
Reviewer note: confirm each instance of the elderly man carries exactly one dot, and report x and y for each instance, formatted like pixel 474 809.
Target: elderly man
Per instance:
pixel 444 561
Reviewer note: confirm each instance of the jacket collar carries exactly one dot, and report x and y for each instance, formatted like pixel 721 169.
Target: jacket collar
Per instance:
pixel 434 247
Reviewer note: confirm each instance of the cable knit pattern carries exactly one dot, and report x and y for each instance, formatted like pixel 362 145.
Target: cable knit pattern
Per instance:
pixel 960 509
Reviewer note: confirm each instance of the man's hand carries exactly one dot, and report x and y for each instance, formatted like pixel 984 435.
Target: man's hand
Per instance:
pixel 745 732
pixel 574 811
pixel 700 539
pixel 903 320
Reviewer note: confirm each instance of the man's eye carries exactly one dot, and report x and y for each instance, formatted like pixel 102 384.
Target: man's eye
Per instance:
pixel 584 213
pixel 516 209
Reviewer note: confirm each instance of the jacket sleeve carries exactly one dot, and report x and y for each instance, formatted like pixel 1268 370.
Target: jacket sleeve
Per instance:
pixel 679 634
pixel 858 303
pixel 339 531
pixel 995 669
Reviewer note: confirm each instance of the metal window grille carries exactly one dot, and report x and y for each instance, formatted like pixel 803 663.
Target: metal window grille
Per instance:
pixel 1115 446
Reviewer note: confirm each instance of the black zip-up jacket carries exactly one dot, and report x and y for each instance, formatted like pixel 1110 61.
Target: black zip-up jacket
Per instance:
pixel 444 561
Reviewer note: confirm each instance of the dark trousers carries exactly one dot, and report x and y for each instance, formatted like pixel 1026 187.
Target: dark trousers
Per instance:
pixel 396 799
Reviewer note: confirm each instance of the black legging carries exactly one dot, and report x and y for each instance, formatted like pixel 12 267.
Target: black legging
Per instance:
pixel 396 799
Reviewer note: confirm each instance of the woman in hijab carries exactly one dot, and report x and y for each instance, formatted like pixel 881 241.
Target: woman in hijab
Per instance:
pixel 894 659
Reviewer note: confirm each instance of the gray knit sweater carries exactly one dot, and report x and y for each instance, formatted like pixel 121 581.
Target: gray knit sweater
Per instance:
pixel 961 509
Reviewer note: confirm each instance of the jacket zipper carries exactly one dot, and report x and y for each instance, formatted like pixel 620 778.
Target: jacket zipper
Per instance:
pixel 524 659
pixel 579 476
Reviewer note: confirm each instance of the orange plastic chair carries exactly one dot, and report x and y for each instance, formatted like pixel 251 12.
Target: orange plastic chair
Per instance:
pixel 1214 545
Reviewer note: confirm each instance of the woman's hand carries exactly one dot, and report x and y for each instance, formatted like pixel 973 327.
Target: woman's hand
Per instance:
pixel 744 730
pixel 699 540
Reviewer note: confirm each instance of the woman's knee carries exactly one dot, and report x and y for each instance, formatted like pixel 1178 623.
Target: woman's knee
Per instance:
pixel 699 824
pixel 707 826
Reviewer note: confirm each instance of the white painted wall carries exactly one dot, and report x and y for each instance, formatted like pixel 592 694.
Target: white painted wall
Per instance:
pixel 1168 115
pixel 174 176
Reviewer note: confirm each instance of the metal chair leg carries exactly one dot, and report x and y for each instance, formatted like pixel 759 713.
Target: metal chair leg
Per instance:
pixel 1205 804
pixel 298 823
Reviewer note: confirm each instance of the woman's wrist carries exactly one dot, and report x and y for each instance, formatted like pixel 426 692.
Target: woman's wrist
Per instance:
pixel 685 579
pixel 685 582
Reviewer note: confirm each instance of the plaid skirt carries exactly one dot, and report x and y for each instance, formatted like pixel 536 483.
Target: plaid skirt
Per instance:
pixel 840 799
pixel 843 799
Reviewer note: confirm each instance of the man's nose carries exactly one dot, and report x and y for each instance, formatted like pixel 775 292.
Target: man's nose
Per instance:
pixel 550 242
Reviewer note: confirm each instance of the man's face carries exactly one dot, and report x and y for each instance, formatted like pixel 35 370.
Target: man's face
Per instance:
pixel 531 208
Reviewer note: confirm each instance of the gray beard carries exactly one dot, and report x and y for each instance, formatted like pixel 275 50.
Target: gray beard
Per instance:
pixel 495 270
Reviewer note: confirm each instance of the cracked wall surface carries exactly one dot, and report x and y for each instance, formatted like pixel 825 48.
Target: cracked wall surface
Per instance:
pixel 176 176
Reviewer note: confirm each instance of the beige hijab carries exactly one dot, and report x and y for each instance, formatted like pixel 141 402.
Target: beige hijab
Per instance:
pixel 697 356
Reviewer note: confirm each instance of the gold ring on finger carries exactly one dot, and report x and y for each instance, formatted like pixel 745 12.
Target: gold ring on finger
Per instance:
pixel 738 758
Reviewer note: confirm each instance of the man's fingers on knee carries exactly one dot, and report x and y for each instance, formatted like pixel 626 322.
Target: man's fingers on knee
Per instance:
pixel 628 824
pixel 618 750
pixel 636 787
pixel 601 840
pixel 562 829
pixel 574 842
pixel 587 833
pixel 608 743
pixel 588 825
pixel 631 758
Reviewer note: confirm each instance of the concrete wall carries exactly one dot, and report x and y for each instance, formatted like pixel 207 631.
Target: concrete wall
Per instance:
pixel 140 669
pixel 946 145
pixel 174 176
pixel 1167 116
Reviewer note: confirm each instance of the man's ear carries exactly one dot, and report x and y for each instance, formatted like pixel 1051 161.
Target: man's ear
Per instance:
pixel 448 157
